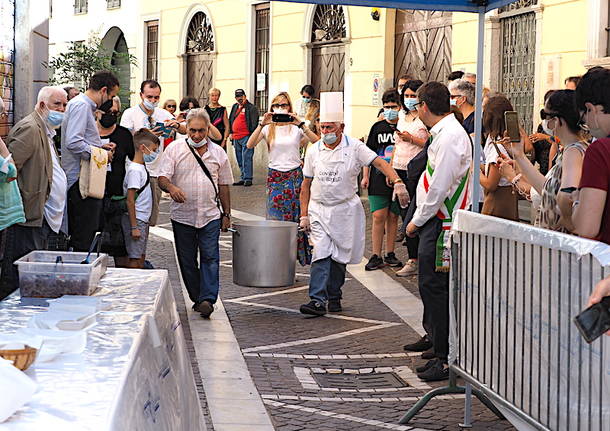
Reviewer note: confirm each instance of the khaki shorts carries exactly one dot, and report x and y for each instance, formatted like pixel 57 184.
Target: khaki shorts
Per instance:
pixel 136 248
pixel 156 197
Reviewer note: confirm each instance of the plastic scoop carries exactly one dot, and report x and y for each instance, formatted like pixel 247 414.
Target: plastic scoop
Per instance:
pixel 91 247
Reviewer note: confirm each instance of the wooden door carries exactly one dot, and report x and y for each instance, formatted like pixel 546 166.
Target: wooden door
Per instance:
pixel 328 67
pixel 200 76
pixel 422 45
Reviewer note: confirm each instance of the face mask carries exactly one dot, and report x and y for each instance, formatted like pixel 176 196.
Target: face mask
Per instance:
pixel 329 138
pixel 453 102
pixel 151 157
pixel 55 118
pixel 150 105
pixel 390 114
pixel 106 106
pixel 280 111
pixel 596 131
pixel 306 99
pixel 546 128
pixel 196 144
pixel 108 120
pixel 410 103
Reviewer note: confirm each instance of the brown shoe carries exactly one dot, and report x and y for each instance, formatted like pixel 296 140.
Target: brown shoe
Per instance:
pixel 205 308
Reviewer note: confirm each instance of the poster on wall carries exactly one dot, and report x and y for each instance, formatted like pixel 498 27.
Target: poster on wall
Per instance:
pixel 7 62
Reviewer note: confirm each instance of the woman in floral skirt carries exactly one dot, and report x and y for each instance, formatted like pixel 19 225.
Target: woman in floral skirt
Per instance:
pixel 284 140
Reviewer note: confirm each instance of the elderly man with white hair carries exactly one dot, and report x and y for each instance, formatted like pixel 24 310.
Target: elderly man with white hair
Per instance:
pixel 42 181
pixel 330 207
pixel 197 174
pixel 462 96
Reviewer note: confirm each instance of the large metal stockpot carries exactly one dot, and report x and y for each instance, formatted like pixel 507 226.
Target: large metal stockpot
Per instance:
pixel 264 253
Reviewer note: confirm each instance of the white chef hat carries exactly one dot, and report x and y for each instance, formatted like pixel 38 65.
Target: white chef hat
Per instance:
pixel 331 107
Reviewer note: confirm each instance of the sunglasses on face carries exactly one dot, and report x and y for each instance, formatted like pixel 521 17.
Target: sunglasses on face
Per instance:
pixel 171 106
pixel 582 123
pixel 280 105
pixel 544 115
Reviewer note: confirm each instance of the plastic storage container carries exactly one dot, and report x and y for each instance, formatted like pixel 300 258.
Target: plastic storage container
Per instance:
pixel 42 276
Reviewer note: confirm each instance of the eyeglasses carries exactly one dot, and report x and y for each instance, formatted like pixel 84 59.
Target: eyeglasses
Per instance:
pixel 582 123
pixel 280 105
pixel 171 106
pixel 455 96
pixel 418 103
pixel 548 115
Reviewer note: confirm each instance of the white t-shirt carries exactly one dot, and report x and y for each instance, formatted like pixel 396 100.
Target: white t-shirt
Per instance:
pixel 56 203
pixel 135 118
pixel 491 156
pixel 284 152
pixel 135 178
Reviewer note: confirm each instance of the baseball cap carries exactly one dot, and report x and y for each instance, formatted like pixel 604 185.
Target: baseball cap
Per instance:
pixel 240 92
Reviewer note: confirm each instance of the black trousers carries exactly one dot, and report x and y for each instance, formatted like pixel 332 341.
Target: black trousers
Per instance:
pixel 84 217
pixel 434 289
pixel 19 241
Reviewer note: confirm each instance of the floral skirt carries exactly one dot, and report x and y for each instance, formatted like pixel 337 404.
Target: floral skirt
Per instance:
pixel 283 203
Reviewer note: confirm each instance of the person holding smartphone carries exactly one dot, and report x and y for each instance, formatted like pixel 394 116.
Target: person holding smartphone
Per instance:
pixel 500 198
pixel 284 133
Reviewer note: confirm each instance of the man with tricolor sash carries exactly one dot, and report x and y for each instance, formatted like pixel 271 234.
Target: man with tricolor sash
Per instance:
pixel 442 190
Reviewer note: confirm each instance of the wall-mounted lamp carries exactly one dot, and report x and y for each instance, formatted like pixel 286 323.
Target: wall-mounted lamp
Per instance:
pixel 375 13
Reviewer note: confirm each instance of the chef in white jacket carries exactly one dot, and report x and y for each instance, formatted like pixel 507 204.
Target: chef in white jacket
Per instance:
pixel 330 207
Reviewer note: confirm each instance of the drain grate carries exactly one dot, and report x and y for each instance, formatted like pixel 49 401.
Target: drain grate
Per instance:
pixel 359 381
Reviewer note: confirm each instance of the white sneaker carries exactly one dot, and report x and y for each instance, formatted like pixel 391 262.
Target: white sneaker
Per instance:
pixel 409 269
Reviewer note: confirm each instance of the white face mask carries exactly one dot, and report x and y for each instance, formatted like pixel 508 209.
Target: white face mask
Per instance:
pixel 196 144
pixel 545 127
pixel 595 131
pixel 150 105
pixel 280 111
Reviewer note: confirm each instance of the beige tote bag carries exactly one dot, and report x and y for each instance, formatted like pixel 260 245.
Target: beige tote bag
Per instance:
pixel 92 182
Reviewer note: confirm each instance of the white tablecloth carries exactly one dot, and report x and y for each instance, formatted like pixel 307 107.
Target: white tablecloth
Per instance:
pixel 135 373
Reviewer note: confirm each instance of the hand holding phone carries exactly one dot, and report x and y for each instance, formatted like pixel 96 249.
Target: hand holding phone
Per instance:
pixel 595 320
pixel 282 118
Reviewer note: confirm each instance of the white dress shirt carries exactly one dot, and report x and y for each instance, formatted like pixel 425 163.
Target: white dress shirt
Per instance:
pixel 450 155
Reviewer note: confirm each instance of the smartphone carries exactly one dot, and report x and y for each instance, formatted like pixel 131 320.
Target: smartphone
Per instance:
pixel 594 321
pixel 511 118
pixel 281 118
pixel 167 131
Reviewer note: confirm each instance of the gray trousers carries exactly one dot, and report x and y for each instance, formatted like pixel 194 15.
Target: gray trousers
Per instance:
pixel 20 240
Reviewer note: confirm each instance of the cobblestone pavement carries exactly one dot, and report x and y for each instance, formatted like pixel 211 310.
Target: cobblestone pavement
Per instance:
pixel 346 371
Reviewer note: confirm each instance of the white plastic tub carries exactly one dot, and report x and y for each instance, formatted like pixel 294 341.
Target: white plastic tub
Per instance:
pixel 41 277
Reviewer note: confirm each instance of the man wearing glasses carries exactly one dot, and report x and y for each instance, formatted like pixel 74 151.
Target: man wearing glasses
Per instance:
pixel 243 120
pixel 201 207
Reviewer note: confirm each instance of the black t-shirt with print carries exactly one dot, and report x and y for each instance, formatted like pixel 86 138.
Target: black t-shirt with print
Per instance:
pixel 381 141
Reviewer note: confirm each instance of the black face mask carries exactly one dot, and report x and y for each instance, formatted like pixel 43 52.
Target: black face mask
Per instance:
pixel 108 119
pixel 106 106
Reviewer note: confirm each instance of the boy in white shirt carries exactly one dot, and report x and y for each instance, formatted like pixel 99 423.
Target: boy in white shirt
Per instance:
pixel 136 187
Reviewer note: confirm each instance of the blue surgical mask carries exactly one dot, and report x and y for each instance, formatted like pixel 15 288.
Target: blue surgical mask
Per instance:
pixel 329 138
pixel 410 103
pixel 55 118
pixel 196 144
pixel 150 105
pixel 151 157
pixel 306 99
pixel 390 114
pixel 453 102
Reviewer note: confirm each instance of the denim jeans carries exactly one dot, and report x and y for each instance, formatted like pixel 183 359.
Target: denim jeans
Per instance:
pixel 326 279
pixel 201 280
pixel 244 157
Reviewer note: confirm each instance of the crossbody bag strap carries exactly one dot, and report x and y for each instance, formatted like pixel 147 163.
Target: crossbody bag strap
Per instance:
pixel 207 174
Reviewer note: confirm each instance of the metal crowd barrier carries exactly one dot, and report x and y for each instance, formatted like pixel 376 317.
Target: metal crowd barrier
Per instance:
pixel 514 292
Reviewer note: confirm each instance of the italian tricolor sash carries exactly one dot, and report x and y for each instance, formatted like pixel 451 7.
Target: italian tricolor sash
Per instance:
pixel 458 201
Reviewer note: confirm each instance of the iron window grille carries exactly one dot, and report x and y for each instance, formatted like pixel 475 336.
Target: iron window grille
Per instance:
pixel 81 6
pixel 262 53
pixel 113 4
pixel 152 47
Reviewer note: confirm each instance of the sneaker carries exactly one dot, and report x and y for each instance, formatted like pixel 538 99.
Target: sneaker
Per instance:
pixel 391 260
pixel 205 308
pixel 428 354
pixel 148 265
pixel 410 268
pixel 400 236
pixel 426 366
pixel 247 183
pixel 334 306
pixel 420 345
pixel 238 183
pixel 439 370
pixel 375 262
pixel 313 308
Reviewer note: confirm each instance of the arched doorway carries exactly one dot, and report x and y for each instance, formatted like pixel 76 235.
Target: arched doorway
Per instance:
pixel 328 40
pixel 114 42
pixel 199 57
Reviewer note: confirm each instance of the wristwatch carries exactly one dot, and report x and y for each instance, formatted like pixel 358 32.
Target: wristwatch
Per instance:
pixel 226 215
pixel 397 180
pixel 568 190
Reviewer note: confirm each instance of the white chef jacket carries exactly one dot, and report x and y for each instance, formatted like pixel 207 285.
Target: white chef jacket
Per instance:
pixel 335 212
